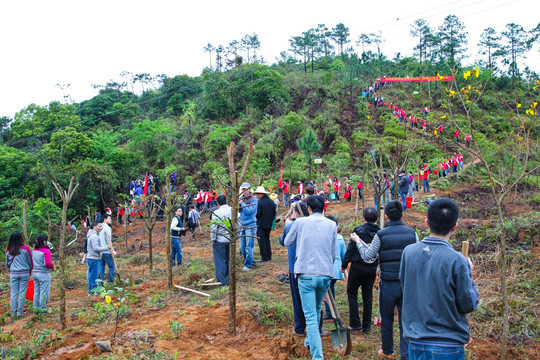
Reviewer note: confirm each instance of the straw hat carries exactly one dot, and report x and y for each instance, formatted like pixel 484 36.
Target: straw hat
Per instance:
pixel 260 190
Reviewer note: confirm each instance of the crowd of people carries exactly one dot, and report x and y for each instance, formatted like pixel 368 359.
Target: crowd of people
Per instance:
pixel 317 255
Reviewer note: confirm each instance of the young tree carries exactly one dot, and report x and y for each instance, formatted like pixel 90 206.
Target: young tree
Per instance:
pixel 65 196
pixel 170 202
pixel 488 45
pixel 236 181
pixel 150 207
pixel 309 145
pixel 506 164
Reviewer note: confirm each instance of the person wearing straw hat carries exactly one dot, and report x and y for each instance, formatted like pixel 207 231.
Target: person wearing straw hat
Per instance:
pixel 248 224
pixel 266 211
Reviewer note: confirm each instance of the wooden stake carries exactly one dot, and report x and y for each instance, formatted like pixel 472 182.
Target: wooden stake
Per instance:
pixel 195 291
pixel 465 248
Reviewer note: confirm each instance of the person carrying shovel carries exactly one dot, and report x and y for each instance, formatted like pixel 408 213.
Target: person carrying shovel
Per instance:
pixel 316 239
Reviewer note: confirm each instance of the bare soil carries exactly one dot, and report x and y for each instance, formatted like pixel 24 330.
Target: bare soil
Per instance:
pixel 262 333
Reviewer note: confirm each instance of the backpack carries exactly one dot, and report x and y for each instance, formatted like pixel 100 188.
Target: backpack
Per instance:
pixel 191 223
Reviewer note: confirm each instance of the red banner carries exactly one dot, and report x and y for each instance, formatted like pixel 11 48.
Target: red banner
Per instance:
pixel 419 78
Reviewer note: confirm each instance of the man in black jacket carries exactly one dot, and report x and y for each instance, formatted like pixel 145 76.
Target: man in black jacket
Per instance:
pixel 388 244
pixel 266 211
pixel 362 273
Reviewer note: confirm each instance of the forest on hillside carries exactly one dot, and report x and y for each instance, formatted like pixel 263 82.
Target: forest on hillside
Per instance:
pixel 143 123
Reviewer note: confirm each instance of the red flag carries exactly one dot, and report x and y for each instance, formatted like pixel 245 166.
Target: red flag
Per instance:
pixel 145 189
pixel 280 182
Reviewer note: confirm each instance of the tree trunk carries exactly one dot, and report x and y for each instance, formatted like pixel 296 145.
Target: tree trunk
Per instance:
pixel 168 209
pixel 126 217
pixel 232 257
pixel 150 249
pixel 504 288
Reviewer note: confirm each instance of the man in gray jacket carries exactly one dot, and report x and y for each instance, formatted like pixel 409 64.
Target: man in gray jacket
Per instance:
pixel 93 257
pixel 220 239
pixel 105 237
pixel 316 240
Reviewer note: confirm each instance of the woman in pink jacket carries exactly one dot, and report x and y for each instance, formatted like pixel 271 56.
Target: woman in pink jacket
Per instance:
pixel 42 273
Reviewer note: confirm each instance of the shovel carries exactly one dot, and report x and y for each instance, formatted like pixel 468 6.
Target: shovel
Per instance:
pixel 341 337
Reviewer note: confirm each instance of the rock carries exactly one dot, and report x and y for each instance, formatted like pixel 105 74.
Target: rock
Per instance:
pixel 104 346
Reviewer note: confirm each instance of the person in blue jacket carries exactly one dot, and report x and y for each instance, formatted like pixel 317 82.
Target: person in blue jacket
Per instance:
pixel 438 290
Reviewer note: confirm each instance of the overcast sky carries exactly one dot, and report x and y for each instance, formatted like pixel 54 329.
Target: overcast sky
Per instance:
pixel 44 43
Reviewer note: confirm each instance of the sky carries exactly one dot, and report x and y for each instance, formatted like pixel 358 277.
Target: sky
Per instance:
pixel 80 43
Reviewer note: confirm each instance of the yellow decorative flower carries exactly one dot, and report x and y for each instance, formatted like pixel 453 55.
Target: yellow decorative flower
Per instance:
pixel 440 77
pixel 108 299
pixel 476 71
pixel 466 75
pixel 518 105
pixel 443 117
pixel 534 104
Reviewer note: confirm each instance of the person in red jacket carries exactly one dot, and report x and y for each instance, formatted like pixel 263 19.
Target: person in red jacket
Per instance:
pixel 360 187
pixel 460 161
pixel 119 212
pixel 456 135
pixel 337 185
pixel 454 163
pixel 425 178
pixel 300 187
pixel 423 123
pixel 285 189
pixel 468 138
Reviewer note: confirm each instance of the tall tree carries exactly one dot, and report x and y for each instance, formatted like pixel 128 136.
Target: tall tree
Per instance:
pixel 515 46
pixel 533 39
pixel 309 145
pixel 363 39
pixel 298 47
pixel 420 29
pixel 324 36
pixel 250 42
pixel 489 44
pixel 219 57
pixel 377 40
pixel 209 49
pixel 453 38
pixel 340 34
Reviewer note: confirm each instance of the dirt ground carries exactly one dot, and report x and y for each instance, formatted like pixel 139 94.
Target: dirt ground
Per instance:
pixel 145 332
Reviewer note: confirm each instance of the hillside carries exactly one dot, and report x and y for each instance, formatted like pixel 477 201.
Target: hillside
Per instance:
pixel 185 124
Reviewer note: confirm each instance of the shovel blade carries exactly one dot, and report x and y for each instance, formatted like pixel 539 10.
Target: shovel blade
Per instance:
pixel 341 341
